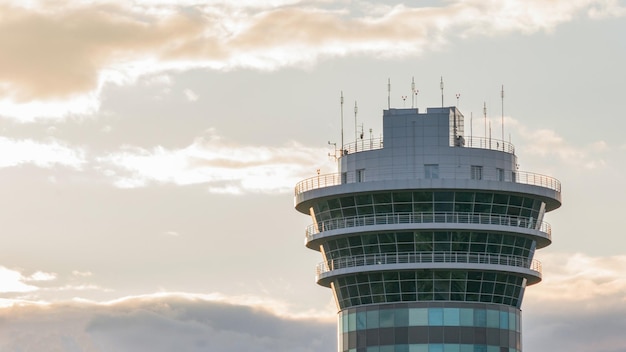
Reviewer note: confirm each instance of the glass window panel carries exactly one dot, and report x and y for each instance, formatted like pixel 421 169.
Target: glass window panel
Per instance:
pixel 373 349
pixel 402 197
pixel 466 317
pixel 484 197
pixel 493 318
pixel 466 348
pixel 403 208
pixel 349 212
pixel 386 318
pixel 435 316
pixel 480 318
pixel 383 208
pixel 372 319
pixel 354 241
pixel 451 316
pixel 401 317
pixel 364 199
pixel 512 321
pixel 402 348
pixel 361 320
pixel 423 207
pixel 516 200
pixel 467 197
pixel 444 196
pixel 334 204
pixel 418 348
pixel 351 322
pixel 451 347
pixel 423 196
pixel 381 198
pixel 344 322
pixel 499 198
pixel 418 317
pixel 435 348
pixel 365 210
pixel 347 201
pixel 504 320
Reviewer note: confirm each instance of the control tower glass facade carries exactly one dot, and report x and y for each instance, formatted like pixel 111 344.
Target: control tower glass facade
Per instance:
pixel 428 237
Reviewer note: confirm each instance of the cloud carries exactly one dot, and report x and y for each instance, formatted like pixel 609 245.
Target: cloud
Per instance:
pixel 160 322
pixel 190 95
pixel 223 167
pixel 45 155
pixel 579 306
pixel 14 281
pixel 57 57
pixel 548 143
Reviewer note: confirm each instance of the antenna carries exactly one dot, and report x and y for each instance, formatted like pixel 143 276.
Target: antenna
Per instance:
pixel 502 95
pixel 414 93
pixel 441 86
pixel 489 134
pixel 471 126
pixel 356 109
pixel 404 101
pixel 388 93
pixel 341 101
pixel 458 95
pixel 334 155
pixel 485 114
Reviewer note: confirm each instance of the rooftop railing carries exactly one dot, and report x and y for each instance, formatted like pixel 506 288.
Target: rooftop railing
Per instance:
pixel 327 180
pixel 489 143
pixel 428 257
pixel 420 218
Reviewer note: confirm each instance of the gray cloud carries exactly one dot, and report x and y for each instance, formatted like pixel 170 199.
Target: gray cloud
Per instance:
pixel 159 323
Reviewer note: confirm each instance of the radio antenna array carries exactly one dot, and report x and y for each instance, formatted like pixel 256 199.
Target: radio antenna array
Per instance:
pixel 341 102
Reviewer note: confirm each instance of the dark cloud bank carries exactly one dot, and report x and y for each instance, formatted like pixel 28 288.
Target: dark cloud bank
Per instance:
pixel 159 324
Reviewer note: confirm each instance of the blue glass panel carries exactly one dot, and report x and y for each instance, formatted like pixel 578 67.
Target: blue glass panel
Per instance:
pixel 504 320
pixel 402 348
pixel 435 316
pixel 418 348
pixel 451 348
pixel 435 348
pixel 480 318
pixel 493 318
pixel 451 316
pixel 467 348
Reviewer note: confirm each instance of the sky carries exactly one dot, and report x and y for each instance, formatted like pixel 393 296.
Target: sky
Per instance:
pixel 150 150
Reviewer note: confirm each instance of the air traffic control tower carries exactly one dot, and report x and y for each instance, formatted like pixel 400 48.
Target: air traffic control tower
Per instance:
pixel 428 240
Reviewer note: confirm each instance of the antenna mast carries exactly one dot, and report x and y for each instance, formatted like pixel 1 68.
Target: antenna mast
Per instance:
pixel 502 123
pixel 356 109
pixel 388 93
pixel 413 91
pixel 341 102
pixel 485 114
pixel 471 126
pixel 441 86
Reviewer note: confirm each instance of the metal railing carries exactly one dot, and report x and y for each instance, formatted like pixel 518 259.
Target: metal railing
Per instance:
pixel 362 145
pixel 335 179
pixel 420 218
pixel 428 257
pixel 489 143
